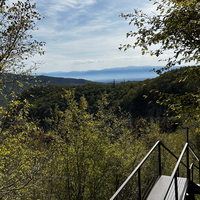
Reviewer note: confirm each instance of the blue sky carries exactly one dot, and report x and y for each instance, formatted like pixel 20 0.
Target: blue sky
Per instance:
pixel 85 35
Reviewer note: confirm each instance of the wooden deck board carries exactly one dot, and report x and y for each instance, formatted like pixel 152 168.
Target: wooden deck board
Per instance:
pixel 159 189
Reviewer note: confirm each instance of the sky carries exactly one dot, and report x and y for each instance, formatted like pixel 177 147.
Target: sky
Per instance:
pixel 83 35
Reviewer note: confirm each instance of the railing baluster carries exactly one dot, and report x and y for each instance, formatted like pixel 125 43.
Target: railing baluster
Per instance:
pixel 178 171
pixel 139 184
pixel 188 164
pixel 176 186
pixel 159 159
pixel 174 174
pixel 192 172
pixel 199 172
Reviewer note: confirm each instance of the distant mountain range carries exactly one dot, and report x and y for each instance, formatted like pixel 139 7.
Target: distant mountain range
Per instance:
pixel 130 73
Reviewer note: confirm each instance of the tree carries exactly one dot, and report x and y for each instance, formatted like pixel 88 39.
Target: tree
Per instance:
pixel 23 155
pixel 17 43
pixel 96 151
pixel 175 26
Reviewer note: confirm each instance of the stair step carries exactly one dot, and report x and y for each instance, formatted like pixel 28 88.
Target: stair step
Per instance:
pixel 159 189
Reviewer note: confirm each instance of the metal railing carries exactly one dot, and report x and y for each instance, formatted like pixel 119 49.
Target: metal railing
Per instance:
pixel 190 170
pixel 193 166
pixel 174 175
pixel 137 172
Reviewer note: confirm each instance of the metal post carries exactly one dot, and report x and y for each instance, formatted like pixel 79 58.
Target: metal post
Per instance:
pixel 192 172
pixel 199 171
pixel 188 167
pixel 139 185
pixel 176 186
pixel 178 172
pixel 159 159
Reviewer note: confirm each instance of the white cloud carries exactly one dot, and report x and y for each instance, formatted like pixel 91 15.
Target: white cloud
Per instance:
pixel 52 7
pixel 85 34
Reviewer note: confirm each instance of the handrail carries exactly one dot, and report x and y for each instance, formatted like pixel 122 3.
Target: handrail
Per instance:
pixel 135 170
pixel 175 171
pixel 174 174
pixel 194 154
pixel 140 165
pixel 193 165
pixel 173 154
pixel 192 170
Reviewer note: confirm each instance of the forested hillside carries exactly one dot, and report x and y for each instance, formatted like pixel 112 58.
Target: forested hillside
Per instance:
pixel 137 98
pixel 10 81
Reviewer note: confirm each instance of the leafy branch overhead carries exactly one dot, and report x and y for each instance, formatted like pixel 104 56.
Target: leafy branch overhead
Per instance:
pixel 16 41
pixel 175 26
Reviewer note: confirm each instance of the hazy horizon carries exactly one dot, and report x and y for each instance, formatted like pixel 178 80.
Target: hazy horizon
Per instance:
pixel 129 73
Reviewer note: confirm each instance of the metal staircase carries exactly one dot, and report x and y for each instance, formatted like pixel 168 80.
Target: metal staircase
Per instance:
pixel 151 179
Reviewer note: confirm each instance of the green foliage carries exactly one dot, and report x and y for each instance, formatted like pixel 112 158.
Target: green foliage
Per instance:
pixel 17 21
pixel 82 156
pixel 17 44
pixel 175 26
pixel 23 156
pixel 129 96
pixel 185 103
pixel 96 152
